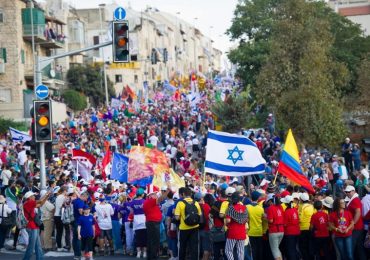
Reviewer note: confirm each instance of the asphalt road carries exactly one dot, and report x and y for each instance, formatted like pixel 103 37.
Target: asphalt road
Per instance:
pixel 17 255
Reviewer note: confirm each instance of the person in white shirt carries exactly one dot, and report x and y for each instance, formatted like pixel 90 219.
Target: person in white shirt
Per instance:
pixel 6 174
pixel 153 140
pixel 103 213
pixel 47 217
pixel 343 173
pixel 5 211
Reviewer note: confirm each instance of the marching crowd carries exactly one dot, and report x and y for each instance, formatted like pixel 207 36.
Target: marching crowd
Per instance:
pixel 212 217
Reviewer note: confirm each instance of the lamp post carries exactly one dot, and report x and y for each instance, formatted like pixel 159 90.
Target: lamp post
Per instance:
pixel 101 7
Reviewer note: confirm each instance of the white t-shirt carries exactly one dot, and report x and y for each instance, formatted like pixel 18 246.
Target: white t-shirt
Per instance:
pixel 4 212
pixel 104 211
pixel 344 175
pixel 153 140
pixel 195 141
pixel 5 176
pixel 22 157
pixel 59 201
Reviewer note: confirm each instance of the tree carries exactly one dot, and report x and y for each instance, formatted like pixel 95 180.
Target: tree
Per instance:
pixel 297 81
pixel 232 114
pixel 89 81
pixel 75 100
pixel 254 22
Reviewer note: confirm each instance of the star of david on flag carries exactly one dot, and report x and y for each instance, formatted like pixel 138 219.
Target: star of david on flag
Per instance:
pixel 232 155
pixel 119 167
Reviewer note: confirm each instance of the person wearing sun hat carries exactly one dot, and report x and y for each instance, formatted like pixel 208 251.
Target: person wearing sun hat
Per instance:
pixel 153 216
pixel 291 227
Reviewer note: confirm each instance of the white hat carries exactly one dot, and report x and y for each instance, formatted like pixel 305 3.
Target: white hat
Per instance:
pixel 83 189
pixel 29 194
pixel 56 189
pixel 98 181
pixel 296 195
pixel 287 199
pixel 349 188
pixel 229 191
pixel 176 196
pixel 187 175
pixel 270 197
pixel 96 195
pixel 164 188
pixel 235 180
pixel 328 202
pixel 70 191
pixel 304 197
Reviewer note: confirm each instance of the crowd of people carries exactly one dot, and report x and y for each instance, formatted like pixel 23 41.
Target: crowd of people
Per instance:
pixel 249 217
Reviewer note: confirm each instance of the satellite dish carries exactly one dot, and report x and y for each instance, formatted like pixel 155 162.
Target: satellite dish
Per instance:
pixel 52 73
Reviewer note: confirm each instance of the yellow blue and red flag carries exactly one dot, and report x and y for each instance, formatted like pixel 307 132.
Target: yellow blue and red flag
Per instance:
pixel 289 165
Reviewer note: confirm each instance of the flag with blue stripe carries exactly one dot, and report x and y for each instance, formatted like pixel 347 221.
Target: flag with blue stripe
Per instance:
pixel 19 136
pixel 232 155
pixel 119 167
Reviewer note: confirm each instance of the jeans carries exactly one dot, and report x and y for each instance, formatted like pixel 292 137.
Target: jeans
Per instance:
pixel 305 244
pixel 3 233
pixel 129 237
pixel 217 247
pixel 76 243
pixel 59 226
pixel 344 245
pixel 247 252
pixel 153 235
pixel 33 244
pixel 290 247
pixel 358 244
pixel 116 232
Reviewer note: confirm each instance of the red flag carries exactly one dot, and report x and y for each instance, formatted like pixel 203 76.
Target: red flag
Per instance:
pixel 84 163
pixel 106 165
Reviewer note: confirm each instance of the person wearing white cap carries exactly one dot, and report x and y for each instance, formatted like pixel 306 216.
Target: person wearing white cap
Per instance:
pixel 104 212
pixel 291 227
pixel 5 211
pixel 33 229
pixel 355 207
pixel 305 213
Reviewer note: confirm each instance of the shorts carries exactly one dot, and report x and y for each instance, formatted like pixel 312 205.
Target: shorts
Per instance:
pixel 87 244
pixel 106 233
pixel 205 241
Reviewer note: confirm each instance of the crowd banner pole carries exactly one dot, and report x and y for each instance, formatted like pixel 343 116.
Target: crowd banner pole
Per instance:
pixel 276 175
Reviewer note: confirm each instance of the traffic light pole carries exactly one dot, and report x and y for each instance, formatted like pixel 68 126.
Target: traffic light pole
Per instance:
pixel 41 63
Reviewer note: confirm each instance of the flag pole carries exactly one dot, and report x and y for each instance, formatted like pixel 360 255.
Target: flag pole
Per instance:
pixel 276 175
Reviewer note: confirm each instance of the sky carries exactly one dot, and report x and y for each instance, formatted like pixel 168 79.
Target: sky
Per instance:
pixel 212 17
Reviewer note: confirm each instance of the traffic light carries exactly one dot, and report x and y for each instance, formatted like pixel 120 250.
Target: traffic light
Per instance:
pixel 43 125
pixel 121 51
pixel 154 57
pixel 165 55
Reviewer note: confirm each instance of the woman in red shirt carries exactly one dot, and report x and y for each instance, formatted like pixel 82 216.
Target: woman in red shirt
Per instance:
pixel 236 217
pixel 275 219
pixel 341 223
pixel 291 228
pixel 320 228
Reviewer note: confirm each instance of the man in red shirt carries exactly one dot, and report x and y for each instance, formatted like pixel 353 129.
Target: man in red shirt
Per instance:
pixel 153 217
pixel 320 227
pixel 358 234
pixel 33 229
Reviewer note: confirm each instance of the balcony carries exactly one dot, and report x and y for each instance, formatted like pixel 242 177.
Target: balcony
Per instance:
pixel 38 32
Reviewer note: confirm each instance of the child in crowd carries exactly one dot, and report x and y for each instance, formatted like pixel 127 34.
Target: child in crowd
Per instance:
pixel 86 232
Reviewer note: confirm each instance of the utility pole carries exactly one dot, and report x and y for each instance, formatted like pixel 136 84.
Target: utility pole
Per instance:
pixel 101 6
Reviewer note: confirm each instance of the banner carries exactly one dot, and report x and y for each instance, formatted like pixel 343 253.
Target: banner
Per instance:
pixel 116 103
pixel 119 167
pixel 19 136
pixel 171 177
pixel 145 162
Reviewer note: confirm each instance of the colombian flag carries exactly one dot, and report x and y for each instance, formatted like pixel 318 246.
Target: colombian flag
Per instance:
pixel 289 165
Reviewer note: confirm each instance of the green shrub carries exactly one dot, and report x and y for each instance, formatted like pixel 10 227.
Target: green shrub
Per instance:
pixel 5 123
pixel 75 100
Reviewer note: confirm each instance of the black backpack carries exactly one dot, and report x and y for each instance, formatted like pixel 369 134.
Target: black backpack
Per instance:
pixel 192 217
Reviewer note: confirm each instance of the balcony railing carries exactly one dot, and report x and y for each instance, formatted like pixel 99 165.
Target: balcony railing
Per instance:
pixel 38 31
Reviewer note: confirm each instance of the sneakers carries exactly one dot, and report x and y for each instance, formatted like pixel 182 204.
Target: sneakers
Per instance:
pixel 144 255
pixel 62 250
pixel 138 254
pixel 2 250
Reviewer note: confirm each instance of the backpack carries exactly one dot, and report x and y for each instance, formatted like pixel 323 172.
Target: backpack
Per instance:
pixel 22 222
pixel 67 215
pixel 202 221
pixel 215 209
pixel 192 217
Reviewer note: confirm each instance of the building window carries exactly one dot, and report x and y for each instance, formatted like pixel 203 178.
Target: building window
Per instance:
pixel 1 16
pixel 118 78
pixel 23 59
pixel 5 95
pixel 96 41
pixel 133 57
pixel 136 79
pixel 3 54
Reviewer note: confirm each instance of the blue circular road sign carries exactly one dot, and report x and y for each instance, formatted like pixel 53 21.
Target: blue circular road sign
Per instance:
pixel 119 13
pixel 42 91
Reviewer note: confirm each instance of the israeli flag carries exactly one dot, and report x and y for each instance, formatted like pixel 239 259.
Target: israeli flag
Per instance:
pixel 232 155
pixel 19 136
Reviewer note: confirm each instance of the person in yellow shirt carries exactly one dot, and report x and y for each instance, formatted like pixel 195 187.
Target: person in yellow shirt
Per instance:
pixel 225 204
pixel 305 213
pixel 255 232
pixel 188 234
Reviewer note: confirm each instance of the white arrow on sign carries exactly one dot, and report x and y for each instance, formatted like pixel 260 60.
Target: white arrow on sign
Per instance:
pixel 120 13
pixel 42 91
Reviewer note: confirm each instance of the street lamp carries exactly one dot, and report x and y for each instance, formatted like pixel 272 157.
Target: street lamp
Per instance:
pixel 101 7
